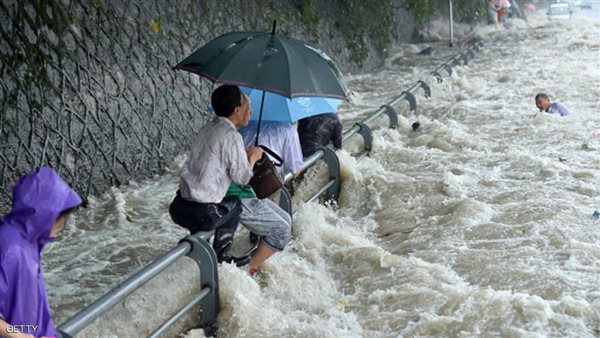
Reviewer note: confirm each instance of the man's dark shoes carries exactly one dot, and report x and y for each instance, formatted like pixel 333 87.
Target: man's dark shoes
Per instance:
pixel 222 243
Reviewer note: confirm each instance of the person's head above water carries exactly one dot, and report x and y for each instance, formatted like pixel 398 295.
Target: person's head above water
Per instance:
pixel 542 101
pixel 229 101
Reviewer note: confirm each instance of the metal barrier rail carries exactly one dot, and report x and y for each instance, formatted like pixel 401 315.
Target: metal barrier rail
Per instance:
pixel 196 246
pixel 362 129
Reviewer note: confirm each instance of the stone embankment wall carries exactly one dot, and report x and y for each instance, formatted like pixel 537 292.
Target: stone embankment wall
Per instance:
pixel 87 86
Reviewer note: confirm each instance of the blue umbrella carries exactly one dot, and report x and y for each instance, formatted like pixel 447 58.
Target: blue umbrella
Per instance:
pixel 280 108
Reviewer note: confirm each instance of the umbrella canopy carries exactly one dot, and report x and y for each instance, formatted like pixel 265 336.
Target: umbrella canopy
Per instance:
pixel 280 108
pixel 269 62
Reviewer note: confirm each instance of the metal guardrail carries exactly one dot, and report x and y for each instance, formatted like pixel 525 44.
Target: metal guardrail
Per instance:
pixel 361 128
pixel 196 246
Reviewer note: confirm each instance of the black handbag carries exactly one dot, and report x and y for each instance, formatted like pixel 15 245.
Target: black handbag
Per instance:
pixel 265 181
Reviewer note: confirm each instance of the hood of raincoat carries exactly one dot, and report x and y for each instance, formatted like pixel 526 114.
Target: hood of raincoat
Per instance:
pixel 38 199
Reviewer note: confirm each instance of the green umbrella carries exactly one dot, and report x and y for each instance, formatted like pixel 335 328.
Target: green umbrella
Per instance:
pixel 267 61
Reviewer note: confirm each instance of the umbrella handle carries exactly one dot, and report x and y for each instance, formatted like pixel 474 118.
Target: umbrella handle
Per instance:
pixel 262 103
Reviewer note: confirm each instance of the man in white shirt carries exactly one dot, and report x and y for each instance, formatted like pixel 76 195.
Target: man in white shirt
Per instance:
pixel 217 158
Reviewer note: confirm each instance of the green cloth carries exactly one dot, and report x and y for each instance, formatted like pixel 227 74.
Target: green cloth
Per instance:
pixel 240 191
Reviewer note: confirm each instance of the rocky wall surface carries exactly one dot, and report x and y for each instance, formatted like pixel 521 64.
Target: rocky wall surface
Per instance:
pixel 87 86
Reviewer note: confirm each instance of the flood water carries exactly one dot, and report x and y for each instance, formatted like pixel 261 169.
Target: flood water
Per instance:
pixel 480 224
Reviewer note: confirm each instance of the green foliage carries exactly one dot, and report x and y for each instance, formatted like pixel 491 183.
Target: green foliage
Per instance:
pixel 156 26
pixel 372 19
pixel 470 10
pixel 205 14
pixel 383 29
pixel 97 5
pixel 309 13
pixel 308 10
pixel 419 10
pixel 261 3
pixel 36 57
pixel 281 19
pixel 274 12
pixel 356 44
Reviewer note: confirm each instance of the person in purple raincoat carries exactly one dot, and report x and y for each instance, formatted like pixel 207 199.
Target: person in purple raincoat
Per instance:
pixel 41 204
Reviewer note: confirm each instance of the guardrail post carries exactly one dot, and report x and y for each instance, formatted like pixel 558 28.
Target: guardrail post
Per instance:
pixel 437 76
pixel 425 87
pixel 367 136
pixel 205 257
pixel 455 62
pixel 285 201
pixel 408 96
pixel 392 114
pixel 471 53
pixel 465 58
pixel 333 163
pixel 448 68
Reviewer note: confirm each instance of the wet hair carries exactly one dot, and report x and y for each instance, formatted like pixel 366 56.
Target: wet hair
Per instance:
pixel 541 96
pixel 225 99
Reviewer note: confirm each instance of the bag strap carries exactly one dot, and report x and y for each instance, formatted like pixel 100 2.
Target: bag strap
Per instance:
pixel 274 155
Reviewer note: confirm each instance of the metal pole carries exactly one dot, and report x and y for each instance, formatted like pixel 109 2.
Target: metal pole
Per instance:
pixel 180 313
pixel 83 318
pixel 451 28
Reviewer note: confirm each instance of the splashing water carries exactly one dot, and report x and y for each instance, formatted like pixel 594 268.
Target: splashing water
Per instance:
pixel 478 224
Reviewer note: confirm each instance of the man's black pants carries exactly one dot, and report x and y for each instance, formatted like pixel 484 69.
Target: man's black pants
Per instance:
pixel 222 217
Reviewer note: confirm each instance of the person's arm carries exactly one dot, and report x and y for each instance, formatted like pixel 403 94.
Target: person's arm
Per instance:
pixel 238 160
pixel 254 154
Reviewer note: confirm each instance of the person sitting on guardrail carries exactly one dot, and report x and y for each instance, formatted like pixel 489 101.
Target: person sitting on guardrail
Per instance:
pixel 542 101
pixel 318 130
pixel 270 225
pixel 42 202
pixel 216 159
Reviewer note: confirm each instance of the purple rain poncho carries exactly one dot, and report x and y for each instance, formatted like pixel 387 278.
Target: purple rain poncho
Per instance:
pixel 38 199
